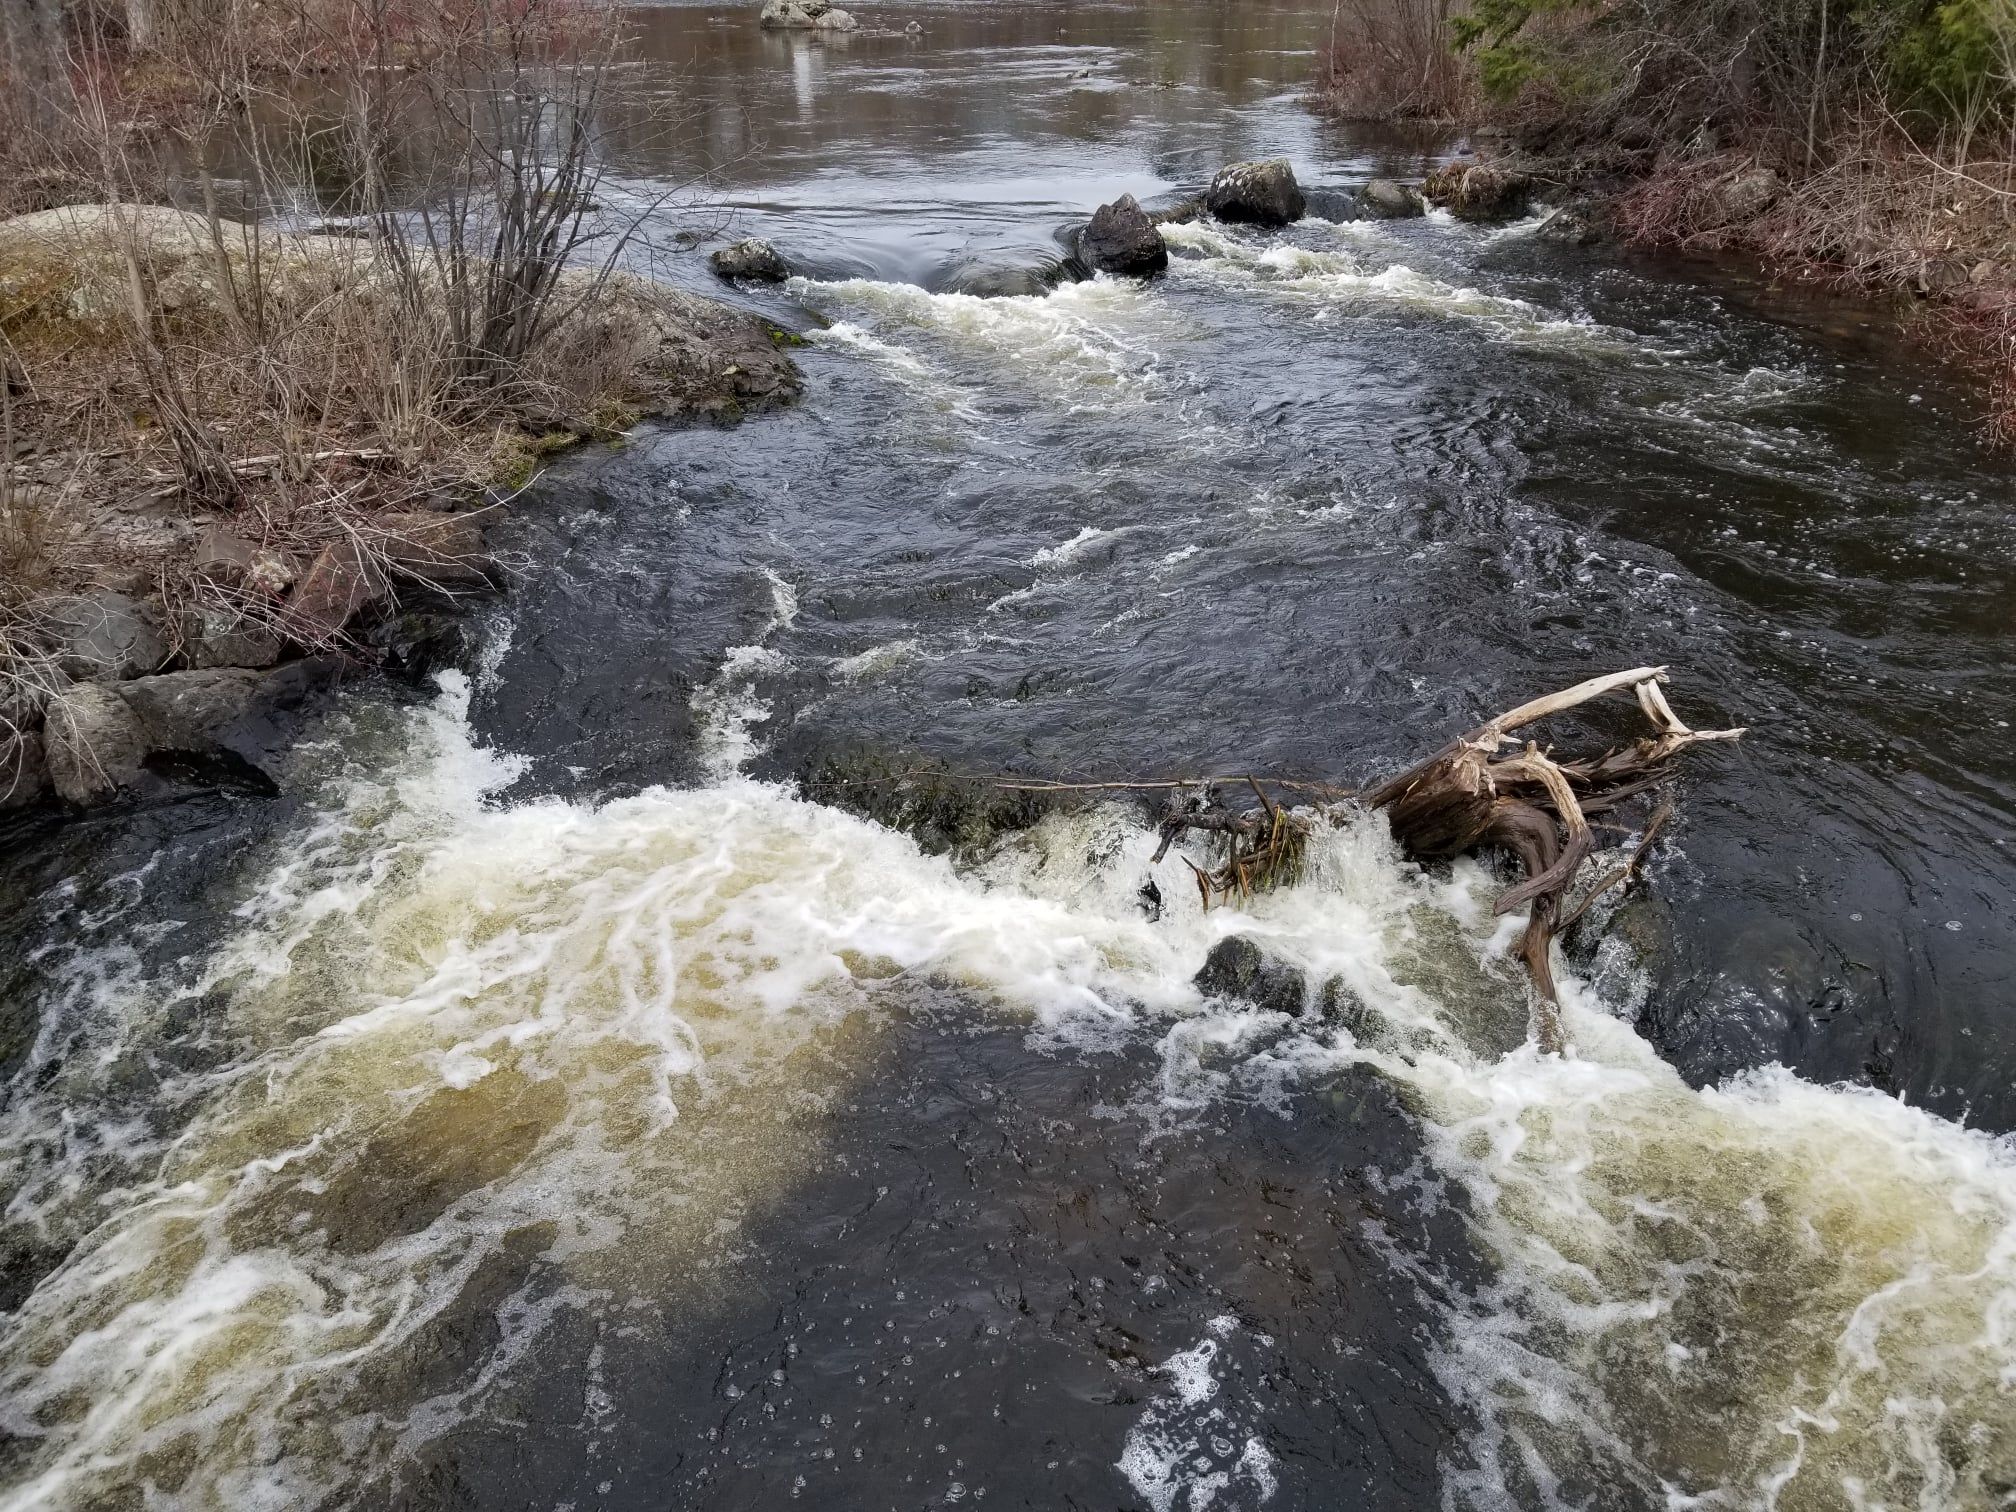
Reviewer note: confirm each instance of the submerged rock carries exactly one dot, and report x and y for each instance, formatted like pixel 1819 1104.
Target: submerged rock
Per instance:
pixel 93 743
pixel 1260 194
pixel 1383 199
pixel 1179 214
pixel 1239 968
pixel 1476 192
pixel 1120 238
pixel 805 15
pixel 985 278
pixel 753 259
pixel 104 635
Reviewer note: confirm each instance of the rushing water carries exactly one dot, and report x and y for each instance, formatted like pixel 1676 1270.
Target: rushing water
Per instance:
pixel 547 1104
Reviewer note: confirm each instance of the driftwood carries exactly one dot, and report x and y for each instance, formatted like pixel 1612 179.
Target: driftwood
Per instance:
pixel 1473 795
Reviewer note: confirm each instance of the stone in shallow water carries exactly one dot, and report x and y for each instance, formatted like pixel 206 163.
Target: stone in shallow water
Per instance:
pixel 1120 238
pixel 753 259
pixel 1261 194
pixel 1239 968
pixel 1387 200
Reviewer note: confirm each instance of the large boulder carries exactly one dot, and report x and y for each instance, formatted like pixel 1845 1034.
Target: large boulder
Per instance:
pixel 1477 192
pixel 1382 199
pixel 1260 194
pixel 93 743
pixel 220 710
pixel 104 635
pixel 806 15
pixel 753 259
pixel 1120 238
pixel 1238 968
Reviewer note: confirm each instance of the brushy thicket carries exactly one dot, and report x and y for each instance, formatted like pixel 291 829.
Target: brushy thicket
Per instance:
pixel 1876 139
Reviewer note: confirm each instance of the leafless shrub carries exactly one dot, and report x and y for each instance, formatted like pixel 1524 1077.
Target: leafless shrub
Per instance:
pixel 1395 60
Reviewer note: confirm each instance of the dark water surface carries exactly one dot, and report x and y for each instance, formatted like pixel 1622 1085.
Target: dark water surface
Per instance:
pixel 533 1110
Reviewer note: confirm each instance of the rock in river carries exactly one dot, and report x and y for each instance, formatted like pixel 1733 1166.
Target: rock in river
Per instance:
pixel 1120 238
pixel 1238 968
pixel 806 15
pixel 1385 200
pixel 754 259
pixel 1475 192
pixel 1262 194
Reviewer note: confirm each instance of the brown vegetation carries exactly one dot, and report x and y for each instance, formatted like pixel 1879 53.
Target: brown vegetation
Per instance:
pixel 249 430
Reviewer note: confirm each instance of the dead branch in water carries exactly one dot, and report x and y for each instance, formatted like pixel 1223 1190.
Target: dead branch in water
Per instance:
pixel 1468 796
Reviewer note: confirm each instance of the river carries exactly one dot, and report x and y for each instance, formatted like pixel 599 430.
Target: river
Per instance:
pixel 549 1102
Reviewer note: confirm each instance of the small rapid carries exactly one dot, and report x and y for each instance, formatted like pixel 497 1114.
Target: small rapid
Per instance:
pixel 579 1089
pixel 449 1030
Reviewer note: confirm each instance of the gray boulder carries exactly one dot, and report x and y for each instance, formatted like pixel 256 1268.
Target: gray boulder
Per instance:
pixel 234 562
pixel 218 637
pixel 104 635
pixel 24 769
pixel 1382 199
pixel 805 15
pixel 1572 226
pixel 447 551
pixel 1120 238
pixel 1260 194
pixel 1238 968
pixel 753 259
pixel 342 583
pixel 93 743
pixel 1477 192
pixel 1746 195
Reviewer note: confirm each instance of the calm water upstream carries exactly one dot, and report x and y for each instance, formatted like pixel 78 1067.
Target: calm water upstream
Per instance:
pixel 546 1104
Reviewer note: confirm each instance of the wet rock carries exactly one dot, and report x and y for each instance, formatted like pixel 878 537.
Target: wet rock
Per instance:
pixel 234 562
pixel 1180 214
pixel 1239 968
pixel 1121 239
pixel 93 743
pixel 444 550
pixel 24 770
pixel 990 279
pixel 1385 200
pixel 1338 1004
pixel 341 583
pixel 1477 192
pixel 421 643
pixel 217 637
pixel 1746 195
pixel 1572 226
pixel 753 259
pixel 806 15
pixel 104 635
pixel 220 712
pixel 703 357
pixel 1260 194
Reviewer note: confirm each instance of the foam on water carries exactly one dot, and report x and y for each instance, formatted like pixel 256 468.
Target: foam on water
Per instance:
pixel 1364 277
pixel 457 1032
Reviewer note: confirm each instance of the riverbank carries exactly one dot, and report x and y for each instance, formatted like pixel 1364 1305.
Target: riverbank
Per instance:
pixel 239 463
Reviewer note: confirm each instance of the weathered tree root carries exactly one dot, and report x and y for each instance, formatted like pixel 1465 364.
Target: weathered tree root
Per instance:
pixel 1468 796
